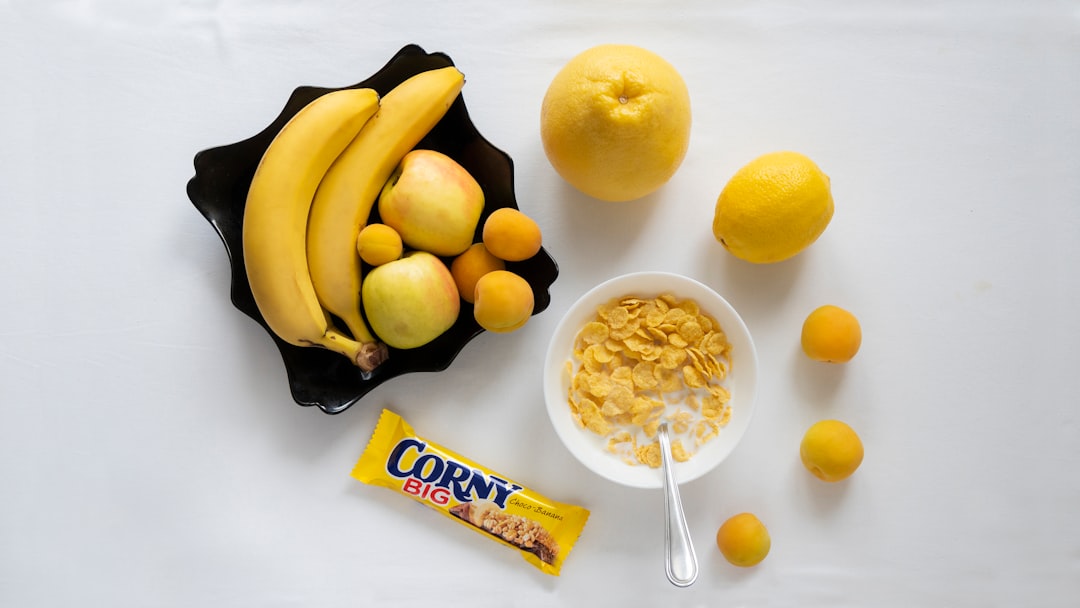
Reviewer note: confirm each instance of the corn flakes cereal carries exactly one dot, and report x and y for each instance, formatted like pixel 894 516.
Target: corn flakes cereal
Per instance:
pixel 643 375
pixel 678 452
pixel 641 361
pixel 649 454
pixel 594 333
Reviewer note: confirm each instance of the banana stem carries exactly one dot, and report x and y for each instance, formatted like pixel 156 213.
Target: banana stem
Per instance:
pixel 372 355
pixel 365 355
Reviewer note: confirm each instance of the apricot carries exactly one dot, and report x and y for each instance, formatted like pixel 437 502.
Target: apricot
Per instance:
pixel 831 334
pixel 473 263
pixel 743 540
pixel 511 235
pixel 378 244
pixel 831 450
pixel 503 301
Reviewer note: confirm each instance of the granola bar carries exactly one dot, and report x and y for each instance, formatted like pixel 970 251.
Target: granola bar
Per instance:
pixel 541 530
pixel 519 531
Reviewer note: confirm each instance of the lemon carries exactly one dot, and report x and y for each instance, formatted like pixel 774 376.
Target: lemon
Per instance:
pixel 773 208
pixel 615 122
pixel 831 334
pixel 831 450
pixel 743 540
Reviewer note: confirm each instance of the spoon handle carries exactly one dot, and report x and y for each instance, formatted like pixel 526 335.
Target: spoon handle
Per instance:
pixel 681 562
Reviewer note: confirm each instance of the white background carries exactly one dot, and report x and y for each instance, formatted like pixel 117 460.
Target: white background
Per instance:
pixel 150 452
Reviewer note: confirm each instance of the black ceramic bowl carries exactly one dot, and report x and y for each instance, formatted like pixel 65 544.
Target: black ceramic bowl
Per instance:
pixel 318 377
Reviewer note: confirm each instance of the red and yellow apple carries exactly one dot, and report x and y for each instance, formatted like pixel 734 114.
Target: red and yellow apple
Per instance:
pixel 433 203
pixel 410 301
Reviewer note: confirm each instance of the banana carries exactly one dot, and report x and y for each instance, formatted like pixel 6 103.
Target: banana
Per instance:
pixel 276 216
pixel 351 187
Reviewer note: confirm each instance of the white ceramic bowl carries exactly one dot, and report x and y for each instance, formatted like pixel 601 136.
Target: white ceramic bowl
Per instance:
pixel 588 447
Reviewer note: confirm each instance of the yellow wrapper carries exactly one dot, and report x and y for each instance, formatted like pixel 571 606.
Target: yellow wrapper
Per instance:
pixel 541 530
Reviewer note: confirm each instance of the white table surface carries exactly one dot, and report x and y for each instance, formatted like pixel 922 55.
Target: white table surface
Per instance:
pixel 150 452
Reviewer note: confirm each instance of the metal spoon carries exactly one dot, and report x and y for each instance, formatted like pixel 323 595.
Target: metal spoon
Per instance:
pixel 681 562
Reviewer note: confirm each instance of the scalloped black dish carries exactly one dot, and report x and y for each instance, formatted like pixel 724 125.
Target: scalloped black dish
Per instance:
pixel 318 377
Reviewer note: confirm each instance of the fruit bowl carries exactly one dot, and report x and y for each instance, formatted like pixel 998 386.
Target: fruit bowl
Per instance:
pixel 318 377
pixel 590 448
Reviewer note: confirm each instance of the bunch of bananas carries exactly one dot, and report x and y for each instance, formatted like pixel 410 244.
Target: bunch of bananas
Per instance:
pixel 313 192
